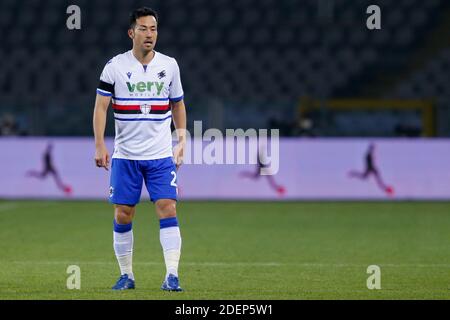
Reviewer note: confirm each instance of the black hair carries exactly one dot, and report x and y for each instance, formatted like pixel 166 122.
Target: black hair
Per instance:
pixel 141 12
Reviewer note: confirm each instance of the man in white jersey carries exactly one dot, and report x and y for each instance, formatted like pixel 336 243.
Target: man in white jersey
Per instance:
pixel 146 92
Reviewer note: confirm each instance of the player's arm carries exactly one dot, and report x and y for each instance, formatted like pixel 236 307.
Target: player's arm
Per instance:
pixel 99 121
pixel 179 121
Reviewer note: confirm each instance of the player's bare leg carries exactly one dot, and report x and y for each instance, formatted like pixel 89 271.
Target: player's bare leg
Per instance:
pixel 389 190
pixel 36 174
pixel 359 175
pixel 124 214
pixel 249 174
pixel 123 244
pixel 278 188
pixel 61 186
pixel 170 238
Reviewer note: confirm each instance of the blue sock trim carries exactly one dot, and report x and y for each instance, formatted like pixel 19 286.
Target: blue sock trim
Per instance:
pixel 121 228
pixel 168 222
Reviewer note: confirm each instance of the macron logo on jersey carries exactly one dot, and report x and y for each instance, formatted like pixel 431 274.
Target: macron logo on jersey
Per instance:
pixel 162 74
pixel 145 86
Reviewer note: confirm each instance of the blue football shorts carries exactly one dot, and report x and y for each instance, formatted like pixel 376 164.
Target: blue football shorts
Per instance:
pixel 159 175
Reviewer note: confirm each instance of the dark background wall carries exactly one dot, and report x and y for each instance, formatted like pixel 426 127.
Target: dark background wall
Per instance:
pixel 245 63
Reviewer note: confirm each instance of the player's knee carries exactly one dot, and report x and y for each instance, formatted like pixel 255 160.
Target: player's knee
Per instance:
pixel 166 208
pixel 123 214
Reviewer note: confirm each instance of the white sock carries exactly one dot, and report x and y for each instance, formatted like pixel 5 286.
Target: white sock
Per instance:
pixel 123 247
pixel 171 244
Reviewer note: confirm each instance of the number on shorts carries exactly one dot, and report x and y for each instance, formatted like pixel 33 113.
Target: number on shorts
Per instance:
pixel 173 183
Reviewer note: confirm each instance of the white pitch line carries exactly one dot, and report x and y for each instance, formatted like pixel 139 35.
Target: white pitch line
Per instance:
pixel 238 264
pixel 207 264
pixel 8 206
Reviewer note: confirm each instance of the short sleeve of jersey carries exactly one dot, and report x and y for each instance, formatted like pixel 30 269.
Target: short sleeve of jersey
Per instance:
pixel 106 85
pixel 176 89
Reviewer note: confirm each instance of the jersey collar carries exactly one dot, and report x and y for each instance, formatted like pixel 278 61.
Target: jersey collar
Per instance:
pixel 145 67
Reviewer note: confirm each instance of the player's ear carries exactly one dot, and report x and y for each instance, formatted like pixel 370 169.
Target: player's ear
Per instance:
pixel 131 33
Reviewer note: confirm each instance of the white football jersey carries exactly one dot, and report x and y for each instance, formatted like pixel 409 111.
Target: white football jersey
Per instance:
pixel 140 101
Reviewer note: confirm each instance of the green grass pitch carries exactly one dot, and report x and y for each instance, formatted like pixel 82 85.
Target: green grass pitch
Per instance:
pixel 232 250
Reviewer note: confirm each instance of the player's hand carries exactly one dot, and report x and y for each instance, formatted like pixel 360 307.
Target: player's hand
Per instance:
pixel 102 157
pixel 178 154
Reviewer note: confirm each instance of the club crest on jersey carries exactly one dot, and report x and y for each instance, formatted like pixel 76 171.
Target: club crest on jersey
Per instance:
pixel 146 108
pixel 129 75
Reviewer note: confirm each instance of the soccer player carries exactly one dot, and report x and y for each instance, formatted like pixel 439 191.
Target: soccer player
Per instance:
pixel 371 169
pixel 49 169
pixel 146 92
pixel 255 175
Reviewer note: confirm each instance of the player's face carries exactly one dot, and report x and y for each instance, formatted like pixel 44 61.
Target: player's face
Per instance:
pixel 144 33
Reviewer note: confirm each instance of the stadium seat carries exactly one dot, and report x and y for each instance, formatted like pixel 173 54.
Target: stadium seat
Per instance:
pixel 243 50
